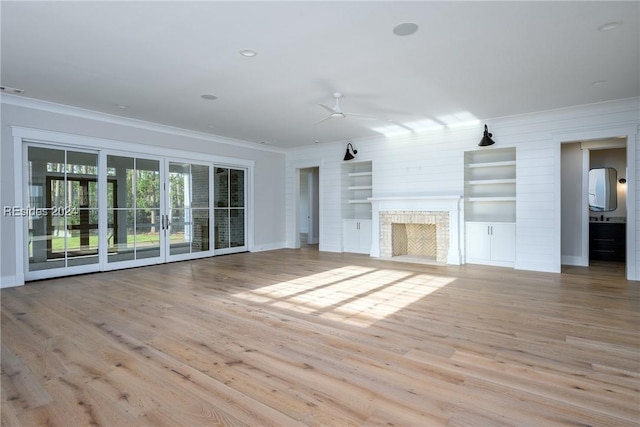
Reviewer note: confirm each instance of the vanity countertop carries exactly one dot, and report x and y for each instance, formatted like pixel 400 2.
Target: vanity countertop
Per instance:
pixel 613 219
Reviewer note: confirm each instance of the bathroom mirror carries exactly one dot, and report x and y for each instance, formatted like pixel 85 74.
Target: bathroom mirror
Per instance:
pixel 603 196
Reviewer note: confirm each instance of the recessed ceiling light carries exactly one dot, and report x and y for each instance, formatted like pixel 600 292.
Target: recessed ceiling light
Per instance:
pixel 609 26
pixel 11 90
pixel 208 96
pixel 249 53
pixel 122 107
pixel 405 29
pixel 598 82
pixel 211 126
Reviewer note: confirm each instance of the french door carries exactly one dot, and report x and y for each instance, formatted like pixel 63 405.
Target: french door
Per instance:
pixel 61 215
pixel 188 215
pixel 91 211
pixel 230 210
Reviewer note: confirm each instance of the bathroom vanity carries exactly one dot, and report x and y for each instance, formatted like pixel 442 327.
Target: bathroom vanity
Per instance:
pixel 607 240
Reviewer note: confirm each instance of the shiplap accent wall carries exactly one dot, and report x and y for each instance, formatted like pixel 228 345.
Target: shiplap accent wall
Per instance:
pixel 432 163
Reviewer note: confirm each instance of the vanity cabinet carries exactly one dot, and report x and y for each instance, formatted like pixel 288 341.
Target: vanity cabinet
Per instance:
pixel 356 235
pixel 607 241
pixel 491 243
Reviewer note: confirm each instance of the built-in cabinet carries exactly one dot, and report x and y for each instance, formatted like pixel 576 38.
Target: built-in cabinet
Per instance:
pixel 491 243
pixel 490 206
pixel 356 235
pixel 357 188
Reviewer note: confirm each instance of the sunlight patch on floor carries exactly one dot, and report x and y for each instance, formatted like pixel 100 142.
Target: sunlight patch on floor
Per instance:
pixel 352 294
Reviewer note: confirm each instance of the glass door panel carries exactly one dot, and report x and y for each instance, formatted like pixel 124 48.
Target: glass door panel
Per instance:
pixel 133 209
pixel 63 208
pixel 229 207
pixel 188 210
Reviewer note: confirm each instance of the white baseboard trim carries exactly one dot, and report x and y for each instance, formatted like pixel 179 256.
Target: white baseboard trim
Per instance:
pixel 547 267
pixel 10 282
pixel 268 247
pixel 574 260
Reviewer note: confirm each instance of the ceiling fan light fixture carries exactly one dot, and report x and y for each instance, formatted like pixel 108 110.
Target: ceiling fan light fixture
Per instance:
pixel 248 53
pixel 486 138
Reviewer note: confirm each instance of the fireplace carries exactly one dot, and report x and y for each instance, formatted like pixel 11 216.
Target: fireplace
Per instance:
pixel 417 228
pixel 416 234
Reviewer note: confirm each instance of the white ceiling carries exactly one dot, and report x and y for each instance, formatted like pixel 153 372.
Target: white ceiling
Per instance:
pixel 469 60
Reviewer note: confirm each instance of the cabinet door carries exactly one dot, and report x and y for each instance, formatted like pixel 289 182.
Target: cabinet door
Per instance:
pixel 478 241
pixel 350 235
pixel 356 236
pixel 503 242
pixel 365 236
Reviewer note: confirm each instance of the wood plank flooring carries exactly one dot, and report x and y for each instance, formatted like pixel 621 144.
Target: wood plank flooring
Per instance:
pixel 298 337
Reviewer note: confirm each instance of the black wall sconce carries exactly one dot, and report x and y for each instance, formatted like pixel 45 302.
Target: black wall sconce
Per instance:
pixel 486 138
pixel 622 180
pixel 349 155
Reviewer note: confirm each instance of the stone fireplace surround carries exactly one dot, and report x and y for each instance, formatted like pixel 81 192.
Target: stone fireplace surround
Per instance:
pixel 444 211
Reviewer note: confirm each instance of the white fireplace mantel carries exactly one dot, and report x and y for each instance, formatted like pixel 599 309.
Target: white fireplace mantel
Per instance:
pixel 448 203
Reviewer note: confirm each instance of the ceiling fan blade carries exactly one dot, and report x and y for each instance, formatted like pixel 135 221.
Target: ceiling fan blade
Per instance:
pixel 320 121
pixel 329 109
pixel 361 116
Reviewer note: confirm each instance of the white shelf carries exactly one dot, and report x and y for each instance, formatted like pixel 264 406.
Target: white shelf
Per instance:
pixel 492 164
pixel 492 181
pixel 492 199
pixel 356 189
pixel 490 185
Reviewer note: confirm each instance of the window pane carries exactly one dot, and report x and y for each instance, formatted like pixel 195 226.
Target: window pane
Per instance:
pixel 120 235
pixel 147 184
pixel 179 231
pixel 120 172
pixel 200 230
pixel 221 229
pixel 237 188
pixel 200 186
pixel 221 188
pixel 147 233
pixel 237 227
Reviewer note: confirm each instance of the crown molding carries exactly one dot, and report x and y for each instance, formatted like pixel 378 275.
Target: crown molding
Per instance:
pixel 52 107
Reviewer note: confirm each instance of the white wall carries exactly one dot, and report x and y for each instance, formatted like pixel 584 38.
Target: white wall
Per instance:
pixel 269 164
pixel 431 162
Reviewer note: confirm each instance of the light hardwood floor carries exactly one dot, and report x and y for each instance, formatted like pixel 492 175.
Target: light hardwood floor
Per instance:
pixel 298 337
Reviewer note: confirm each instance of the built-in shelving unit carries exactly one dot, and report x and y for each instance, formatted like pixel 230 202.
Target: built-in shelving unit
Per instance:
pixel 490 185
pixel 357 188
pixel 490 206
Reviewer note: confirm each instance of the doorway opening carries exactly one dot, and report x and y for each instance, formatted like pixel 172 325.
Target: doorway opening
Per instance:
pixel 309 208
pixel 594 203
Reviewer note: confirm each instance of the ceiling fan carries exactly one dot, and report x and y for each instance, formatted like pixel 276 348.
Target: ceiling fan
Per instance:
pixel 337 113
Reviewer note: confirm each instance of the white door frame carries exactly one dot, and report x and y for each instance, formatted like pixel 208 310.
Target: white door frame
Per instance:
pixel 23 136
